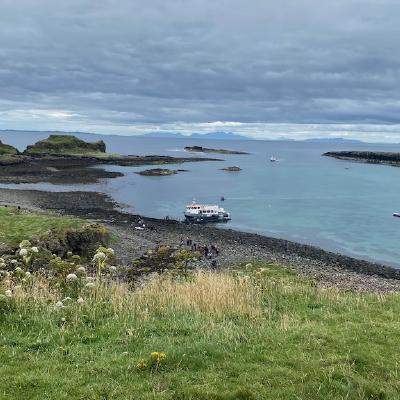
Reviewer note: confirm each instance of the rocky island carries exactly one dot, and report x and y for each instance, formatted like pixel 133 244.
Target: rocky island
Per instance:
pixel 231 169
pixel 160 172
pixel 370 157
pixel 65 159
pixel 200 149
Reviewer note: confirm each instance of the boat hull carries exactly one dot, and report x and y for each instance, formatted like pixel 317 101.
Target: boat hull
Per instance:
pixel 205 218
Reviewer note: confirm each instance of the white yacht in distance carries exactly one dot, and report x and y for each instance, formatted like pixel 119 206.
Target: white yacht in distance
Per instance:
pixel 273 159
pixel 206 213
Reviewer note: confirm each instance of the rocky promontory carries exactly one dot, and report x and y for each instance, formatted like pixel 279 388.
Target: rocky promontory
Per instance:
pixel 65 159
pixel 370 157
pixel 65 145
pixel 159 172
pixel 231 169
pixel 201 149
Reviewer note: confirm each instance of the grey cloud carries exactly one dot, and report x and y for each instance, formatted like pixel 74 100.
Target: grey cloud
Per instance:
pixel 129 62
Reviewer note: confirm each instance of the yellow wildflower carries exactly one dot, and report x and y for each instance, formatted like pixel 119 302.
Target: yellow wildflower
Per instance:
pixel 141 364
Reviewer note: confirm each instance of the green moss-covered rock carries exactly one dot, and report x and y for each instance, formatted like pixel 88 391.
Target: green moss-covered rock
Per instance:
pixel 6 149
pixel 82 241
pixel 65 145
pixel 9 155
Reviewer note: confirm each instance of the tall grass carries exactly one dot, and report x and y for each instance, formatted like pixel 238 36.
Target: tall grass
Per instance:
pixel 263 333
pixel 208 293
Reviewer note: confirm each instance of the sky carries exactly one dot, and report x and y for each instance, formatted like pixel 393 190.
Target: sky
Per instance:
pixel 263 68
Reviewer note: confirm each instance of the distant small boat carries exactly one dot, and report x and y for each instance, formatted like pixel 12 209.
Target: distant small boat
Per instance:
pixel 222 198
pixel 396 215
pixel 273 159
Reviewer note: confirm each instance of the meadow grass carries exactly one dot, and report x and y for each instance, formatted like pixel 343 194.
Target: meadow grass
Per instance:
pixel 255 333
pixel 16 225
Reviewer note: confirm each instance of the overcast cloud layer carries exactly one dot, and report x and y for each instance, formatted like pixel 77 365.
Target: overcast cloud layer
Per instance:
pixel 131 66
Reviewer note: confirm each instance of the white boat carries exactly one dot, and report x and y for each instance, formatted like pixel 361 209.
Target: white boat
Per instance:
pixel 206 213
pixel 396 214
pixel 273 159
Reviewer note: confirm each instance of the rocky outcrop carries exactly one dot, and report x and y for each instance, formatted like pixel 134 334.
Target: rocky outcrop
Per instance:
pixel 65 159
pixel 82 241
pixel 231 169
pixel 200 149
pixel 159 172
pixel 5 249
pixel 63 145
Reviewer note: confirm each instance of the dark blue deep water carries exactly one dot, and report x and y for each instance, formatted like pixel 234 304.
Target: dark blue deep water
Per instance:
pixel 341 206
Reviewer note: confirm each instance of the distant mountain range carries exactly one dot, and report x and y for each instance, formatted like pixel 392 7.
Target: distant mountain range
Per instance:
pixel 211 135
pixel 174 135
pixel 236 136
pixel 333 140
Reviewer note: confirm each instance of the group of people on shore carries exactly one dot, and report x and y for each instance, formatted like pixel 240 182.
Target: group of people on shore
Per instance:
pixel 140 225
pixel 207 251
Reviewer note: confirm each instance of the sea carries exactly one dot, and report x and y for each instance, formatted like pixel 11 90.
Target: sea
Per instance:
pixel 340 206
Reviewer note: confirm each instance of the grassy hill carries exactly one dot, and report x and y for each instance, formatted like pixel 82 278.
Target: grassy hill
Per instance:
pixel 257 332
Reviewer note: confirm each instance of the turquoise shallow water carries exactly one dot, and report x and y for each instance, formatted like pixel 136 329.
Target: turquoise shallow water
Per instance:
pixel 340 206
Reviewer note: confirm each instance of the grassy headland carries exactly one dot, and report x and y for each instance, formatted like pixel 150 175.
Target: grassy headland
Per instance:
pixel 18 224
pixel 65 159
pixel 371 157
pixel 257 332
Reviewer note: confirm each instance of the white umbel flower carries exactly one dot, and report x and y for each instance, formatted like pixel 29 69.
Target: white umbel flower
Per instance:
pixel 59 304
pixel 35 249
pixel 71 277
pixel 81 269
pixel 100 256
pixel 8 293
pixel 90 285
pixel 80 301
pixel 23 252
